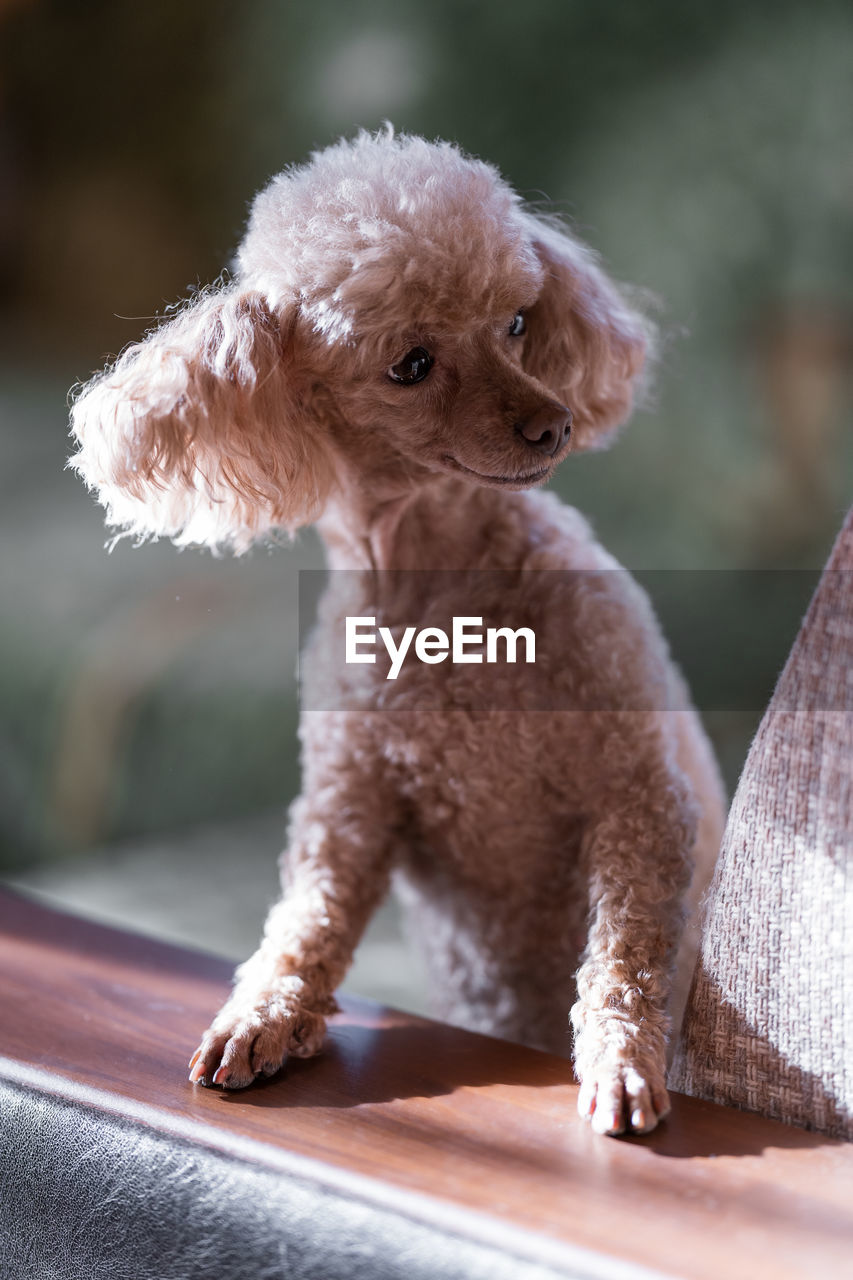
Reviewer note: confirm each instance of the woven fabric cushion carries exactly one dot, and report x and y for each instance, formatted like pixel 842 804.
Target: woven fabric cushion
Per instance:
pixel 769 1023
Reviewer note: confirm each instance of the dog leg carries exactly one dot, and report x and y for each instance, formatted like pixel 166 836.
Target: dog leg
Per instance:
pixel 336 872
pixel 639 870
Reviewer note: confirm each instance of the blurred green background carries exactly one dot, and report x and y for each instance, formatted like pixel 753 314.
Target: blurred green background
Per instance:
pixel 703 149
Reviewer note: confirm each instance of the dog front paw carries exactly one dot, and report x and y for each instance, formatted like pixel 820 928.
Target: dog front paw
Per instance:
pixel 244 1043
pixel 620 1098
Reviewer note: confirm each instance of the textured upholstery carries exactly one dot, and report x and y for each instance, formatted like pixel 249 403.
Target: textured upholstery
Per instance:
pixel 769 1025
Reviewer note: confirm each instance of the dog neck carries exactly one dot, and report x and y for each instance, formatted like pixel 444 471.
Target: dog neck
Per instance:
pixel 443 524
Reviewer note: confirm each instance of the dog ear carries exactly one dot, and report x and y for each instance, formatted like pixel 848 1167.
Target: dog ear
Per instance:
pixel 195 433
pixel 585 342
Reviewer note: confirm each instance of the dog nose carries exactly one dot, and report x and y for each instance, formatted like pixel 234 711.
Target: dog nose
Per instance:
pixel 547 429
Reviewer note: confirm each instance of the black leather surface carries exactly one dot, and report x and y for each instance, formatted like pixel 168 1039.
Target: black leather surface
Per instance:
pixel 85 1195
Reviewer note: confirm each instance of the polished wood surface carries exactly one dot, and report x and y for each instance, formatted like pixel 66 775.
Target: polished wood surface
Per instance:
pixel 415 1106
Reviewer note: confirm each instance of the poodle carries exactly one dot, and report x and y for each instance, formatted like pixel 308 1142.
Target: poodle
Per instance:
pixel 404 356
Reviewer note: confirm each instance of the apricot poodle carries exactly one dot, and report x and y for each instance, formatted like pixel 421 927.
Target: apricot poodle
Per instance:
pixel 404 354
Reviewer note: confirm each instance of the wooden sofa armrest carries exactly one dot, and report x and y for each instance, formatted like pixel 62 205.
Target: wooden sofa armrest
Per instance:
pixel 408 1148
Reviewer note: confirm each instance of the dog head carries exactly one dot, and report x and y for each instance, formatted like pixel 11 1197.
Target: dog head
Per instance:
pixel 395 311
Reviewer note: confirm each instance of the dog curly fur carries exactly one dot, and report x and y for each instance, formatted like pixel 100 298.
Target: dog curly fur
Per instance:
pixel 544 858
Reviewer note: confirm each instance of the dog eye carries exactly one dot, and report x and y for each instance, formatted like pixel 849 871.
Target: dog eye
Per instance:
pixel 414 367
pixel 517 328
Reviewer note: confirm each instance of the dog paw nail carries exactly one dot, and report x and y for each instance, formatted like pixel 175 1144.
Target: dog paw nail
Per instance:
pixel 586 1101
pixel 607 1121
